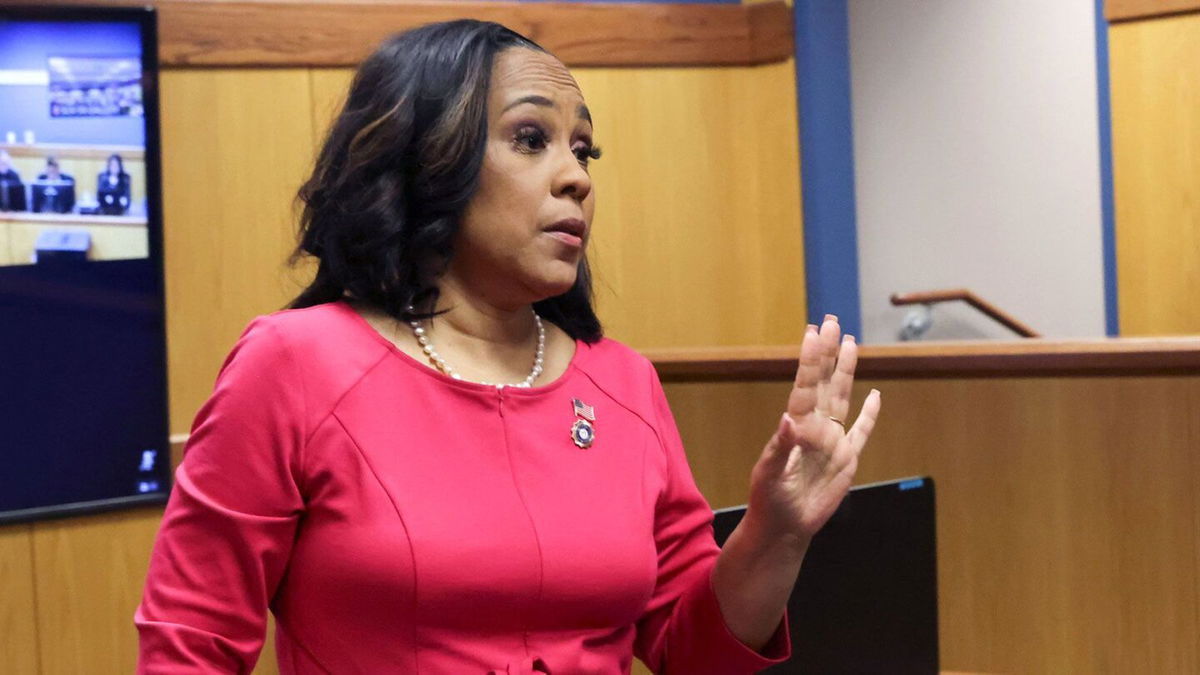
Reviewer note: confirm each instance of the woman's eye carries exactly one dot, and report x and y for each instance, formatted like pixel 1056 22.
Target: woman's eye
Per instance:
pixel 586 153
pixel 531 139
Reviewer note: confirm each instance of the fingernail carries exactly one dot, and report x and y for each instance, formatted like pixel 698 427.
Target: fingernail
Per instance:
pixel 848 338
pixel 831 317
pixel 812 328
pixel 877 393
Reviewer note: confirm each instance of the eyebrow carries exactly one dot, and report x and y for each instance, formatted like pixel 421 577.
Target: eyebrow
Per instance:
pixel 541 101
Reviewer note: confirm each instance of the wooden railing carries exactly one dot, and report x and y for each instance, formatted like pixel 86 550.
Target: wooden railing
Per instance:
pixel 949 295
pixel 1133 10
pixel 926 360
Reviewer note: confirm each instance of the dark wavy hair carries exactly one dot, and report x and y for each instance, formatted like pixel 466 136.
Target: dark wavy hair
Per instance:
pixel 397 169
pixel 120 164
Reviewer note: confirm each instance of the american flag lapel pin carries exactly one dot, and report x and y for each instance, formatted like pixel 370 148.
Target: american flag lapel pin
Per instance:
pixel 582 431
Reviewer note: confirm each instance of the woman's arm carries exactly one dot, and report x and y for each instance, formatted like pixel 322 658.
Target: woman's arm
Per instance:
pixel 802 475
pixel 753 579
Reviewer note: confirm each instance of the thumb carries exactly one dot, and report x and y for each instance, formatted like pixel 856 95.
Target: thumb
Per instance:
pixel 779 448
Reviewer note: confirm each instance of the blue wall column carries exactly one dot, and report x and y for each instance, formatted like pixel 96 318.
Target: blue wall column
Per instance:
pixel 1107 217
pixel 827 161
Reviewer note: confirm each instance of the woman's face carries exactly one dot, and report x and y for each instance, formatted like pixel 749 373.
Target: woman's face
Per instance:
pixel 113 165
pixel 525 229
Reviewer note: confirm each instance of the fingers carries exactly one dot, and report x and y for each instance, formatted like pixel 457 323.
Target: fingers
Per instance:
pixel 831 336
pixel 808 373
pixel 861 431
pixel 840 385
pixel 803 398
pixel 820 383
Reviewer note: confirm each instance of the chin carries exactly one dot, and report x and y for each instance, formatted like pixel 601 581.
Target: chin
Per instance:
pixel 555 285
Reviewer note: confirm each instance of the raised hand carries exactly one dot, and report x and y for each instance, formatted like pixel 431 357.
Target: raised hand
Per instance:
pixel 809 463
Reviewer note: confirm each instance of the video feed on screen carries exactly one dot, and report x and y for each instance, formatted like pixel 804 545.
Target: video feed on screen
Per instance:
pixel 72 143
pixel 83 384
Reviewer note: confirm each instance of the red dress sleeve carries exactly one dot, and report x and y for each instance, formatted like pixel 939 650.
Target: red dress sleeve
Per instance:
pixel 683 630
pixel 227 531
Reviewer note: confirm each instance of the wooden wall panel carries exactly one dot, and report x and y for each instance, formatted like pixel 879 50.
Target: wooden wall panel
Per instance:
pixel 18 606
pixel 6 256
pixel 108 242
pixel 697 238
pixel 89 574
pixel 329 88
pixel 237 146
pixel 1155 80
pixel 1067 508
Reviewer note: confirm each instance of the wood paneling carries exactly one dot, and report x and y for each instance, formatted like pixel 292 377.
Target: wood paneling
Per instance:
pixel 18 607
pixel 329 89
pixel 108 242
pixel 1067 508
pixel 923 360
pixel 98 153
pixel 6 256
pixel 238 145
pixel 1155 79
pixel 325 33
pixel 89 574
pixel 1130 10
pixel 697 237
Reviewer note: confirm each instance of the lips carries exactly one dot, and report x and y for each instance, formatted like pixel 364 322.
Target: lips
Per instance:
pixel 570 231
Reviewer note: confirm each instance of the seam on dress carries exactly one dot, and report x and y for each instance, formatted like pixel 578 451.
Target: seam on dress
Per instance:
pixel 349 388
pixel 619 402
pixel 412 552
pixel 299 645
pixel 537 539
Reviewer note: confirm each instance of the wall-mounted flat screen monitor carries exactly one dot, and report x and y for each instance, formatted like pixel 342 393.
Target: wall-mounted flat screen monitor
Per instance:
pixel 83 396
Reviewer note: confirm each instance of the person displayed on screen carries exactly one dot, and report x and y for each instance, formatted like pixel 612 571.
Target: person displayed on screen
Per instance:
pixel 12 190
pixel 54 191
pixel 433 461
pixel 113 187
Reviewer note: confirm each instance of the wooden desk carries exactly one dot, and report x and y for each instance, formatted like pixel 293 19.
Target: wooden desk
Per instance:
pixel 113 237
pixel 1068 483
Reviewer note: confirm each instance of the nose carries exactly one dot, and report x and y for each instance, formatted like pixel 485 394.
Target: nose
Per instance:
pixel 572 179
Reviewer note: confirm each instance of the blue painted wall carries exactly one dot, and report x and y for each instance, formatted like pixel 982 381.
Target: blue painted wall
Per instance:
pixel 1107 214
pixel 827 161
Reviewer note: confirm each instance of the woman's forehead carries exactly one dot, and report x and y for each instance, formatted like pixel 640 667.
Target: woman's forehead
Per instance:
pixel 519 71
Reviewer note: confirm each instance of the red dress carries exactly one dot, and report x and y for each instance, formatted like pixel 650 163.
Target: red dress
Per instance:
pixel 398 521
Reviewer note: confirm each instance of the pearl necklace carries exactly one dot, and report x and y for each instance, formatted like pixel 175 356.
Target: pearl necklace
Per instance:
pixel 440 363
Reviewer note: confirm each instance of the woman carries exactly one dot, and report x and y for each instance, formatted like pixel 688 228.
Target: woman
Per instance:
pixel 356 473
pixel 55 191
pixel 113 187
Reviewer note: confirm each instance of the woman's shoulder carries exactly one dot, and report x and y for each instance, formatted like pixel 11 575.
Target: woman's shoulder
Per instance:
pixel 304 318
pixel 620 371
pixel 327 342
